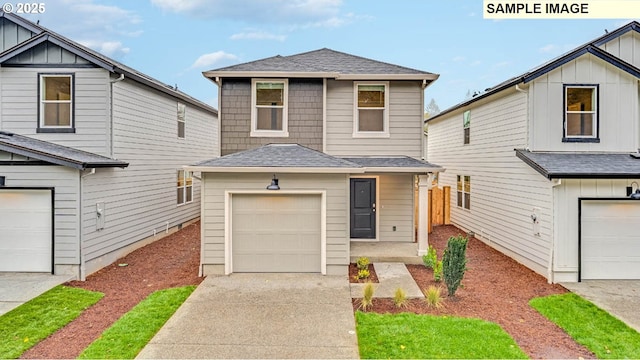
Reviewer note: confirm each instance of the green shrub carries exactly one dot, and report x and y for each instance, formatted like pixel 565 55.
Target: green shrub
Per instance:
pixel 437 271
pixel 363 263
pixel 433 297
pixel 363 274
pixel 454 262
pixel 400 298
pixel 367 297
pixel 430 258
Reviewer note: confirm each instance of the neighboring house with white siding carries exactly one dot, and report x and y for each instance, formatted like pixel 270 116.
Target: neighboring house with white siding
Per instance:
pixel 91 154
pixel 543 164
pixel 319 149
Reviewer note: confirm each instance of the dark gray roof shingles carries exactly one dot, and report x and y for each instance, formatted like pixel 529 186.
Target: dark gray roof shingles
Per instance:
pixel 54 153
pixel 555 165
pixel 392 162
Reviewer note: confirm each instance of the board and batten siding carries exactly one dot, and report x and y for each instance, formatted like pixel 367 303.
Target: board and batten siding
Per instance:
pixel 19 106
pixel 11 34
pixel 213 217
pixel 626 47
pixel 396 208
pixel 304 116
pixel 565 264
pixel 405 122
pixel 66 183
pixel 505 192
pixel 617 101
pixel 141 200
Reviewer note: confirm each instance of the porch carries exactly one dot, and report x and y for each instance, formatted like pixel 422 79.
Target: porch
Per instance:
pixel 386 251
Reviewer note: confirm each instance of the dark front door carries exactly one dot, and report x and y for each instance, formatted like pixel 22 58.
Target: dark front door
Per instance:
pixel 363 208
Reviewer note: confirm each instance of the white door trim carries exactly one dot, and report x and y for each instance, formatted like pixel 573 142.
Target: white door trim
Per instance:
pixel 228 241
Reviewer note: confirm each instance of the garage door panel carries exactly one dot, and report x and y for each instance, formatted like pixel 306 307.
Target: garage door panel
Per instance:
pixel 610 241
pixel 26 223
pixel 279 233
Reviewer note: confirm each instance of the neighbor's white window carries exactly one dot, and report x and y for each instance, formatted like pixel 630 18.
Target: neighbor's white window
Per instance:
pixel 185 187
pixel 181 120
pixel 464 191
pixel 56 101
pixel 581 112
pixel 466 126
pixel 371 115
pixel 269 108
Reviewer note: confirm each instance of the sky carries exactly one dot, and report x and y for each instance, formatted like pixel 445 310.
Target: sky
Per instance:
pixel 174 41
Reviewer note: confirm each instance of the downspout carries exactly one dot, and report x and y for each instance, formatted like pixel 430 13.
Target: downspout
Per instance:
pixel 554 183
pixel 423 154
pixel 218 81
pixel 83 269
pixel 111 113
pixel 324 115
pixel 527 140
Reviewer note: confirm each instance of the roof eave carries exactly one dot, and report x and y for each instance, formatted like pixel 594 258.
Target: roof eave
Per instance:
pixel 418 77
pixel 389 169
pixel 57 160
pixel 271 169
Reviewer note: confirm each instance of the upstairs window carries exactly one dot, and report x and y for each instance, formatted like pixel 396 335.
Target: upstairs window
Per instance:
pixel 581 113
pixel 466 126
pixel 464 191
pixel 185 187
pixel 181 120
pixel 269 110
pixel 56 103
pixel 371 118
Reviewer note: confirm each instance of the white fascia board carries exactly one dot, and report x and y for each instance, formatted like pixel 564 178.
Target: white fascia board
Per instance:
pixel 294 170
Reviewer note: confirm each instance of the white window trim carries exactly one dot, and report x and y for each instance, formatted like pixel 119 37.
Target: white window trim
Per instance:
pixel 464 205
pixel 385 117
pixel 184 187
pixel 594 112
pixel 183 121
pixel 285 111
pixel 43 101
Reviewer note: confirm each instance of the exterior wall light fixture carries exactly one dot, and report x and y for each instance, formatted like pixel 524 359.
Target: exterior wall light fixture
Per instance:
pixel 635 195
pixel 274 184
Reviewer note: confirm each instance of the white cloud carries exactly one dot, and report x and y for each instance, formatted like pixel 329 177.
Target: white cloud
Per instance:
pixel 109 48
pixel 458 59
pixel 257 35
pixel 548 48
pixel 211 59
pixel 291 12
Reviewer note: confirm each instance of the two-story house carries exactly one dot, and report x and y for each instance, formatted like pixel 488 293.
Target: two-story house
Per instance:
pixel 91 154
pixel 543 164
pixel 319 149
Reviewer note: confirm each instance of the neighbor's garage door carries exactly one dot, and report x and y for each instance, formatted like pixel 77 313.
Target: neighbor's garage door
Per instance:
pixel 25 230
pixel 276 233
pixel 610 239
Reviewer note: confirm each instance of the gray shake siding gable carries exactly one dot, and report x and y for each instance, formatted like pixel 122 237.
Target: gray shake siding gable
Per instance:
pixel 305 116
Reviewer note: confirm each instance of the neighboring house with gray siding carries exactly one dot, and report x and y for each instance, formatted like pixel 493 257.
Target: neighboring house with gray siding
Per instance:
pixel 543 164
pixel 91 154
pixel 319 149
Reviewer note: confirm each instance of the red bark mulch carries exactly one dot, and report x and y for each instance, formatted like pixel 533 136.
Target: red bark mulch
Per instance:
pixel 353 274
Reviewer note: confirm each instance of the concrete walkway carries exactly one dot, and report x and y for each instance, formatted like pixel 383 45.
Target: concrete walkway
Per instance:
pixel 18 288
pixel 391 276
pixel 261 316
pixel 620 298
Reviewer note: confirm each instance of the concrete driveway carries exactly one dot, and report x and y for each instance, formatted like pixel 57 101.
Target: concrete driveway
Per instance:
pixel 620 298
pixel 18 288
pixel 263 316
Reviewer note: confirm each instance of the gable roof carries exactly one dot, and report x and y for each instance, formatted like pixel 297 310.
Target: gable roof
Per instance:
pixel 54 153
pixel 573 165
pixel 591 47
pixel 322 63
pixel 46 35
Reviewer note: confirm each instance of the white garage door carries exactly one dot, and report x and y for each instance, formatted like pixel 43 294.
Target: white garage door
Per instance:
pixel 276 233
pixel 25 238
pixel 610 239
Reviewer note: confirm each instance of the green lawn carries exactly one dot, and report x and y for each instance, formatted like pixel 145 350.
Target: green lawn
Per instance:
pixel 603 334
pixel 127 336
pixel 26 325
pixel 411 336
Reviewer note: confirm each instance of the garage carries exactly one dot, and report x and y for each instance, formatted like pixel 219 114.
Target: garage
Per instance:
pixel 609 240
pixel 276 233
pixel 26 238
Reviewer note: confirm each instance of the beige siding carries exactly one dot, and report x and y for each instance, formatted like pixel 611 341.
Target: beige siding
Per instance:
pixel 19 107
pixel 405 122
pixel 618 107
pixel 213 220
pixel 65 182
pixel 505 192
pixel 140 200
pixel 395 208
pixel 565 264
